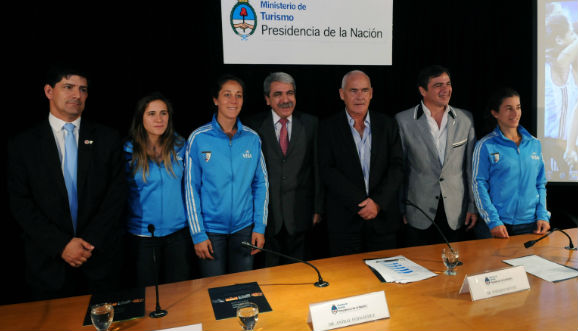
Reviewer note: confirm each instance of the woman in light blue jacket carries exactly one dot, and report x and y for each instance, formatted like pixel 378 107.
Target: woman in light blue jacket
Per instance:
pixel 154 168
pixel 226 186
pixel 509 183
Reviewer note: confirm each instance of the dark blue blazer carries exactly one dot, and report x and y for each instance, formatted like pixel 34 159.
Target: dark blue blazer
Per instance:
pixel 342 176
pixel 39 201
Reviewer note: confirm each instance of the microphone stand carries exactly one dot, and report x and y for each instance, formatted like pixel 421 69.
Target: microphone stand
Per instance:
pixel 570 246
pixel 158 312
pixel 407 202
pixel 320 282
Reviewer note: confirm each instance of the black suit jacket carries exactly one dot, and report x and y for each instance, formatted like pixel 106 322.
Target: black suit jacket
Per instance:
pixel 39 201
pixel 342 176
pixel 294 183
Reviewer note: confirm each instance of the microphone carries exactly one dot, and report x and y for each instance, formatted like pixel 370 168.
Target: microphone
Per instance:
pixel 320 282
pixel 408 202
pixel 158 311
pixel 570 246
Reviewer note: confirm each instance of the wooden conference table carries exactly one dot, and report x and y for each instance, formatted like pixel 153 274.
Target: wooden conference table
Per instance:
pixel 432 304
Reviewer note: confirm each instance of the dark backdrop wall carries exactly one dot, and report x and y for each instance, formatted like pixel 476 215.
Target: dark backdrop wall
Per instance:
pixel 177 50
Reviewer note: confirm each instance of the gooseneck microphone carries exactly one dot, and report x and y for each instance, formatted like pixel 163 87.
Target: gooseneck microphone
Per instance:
pixel 408 202
pixel 320 282
pixel 570 246
pixel 158 311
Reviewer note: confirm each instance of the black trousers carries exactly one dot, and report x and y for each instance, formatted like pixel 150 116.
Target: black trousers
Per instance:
pixel 174 258
pixel 431 235
pixel 366 240
pixel 283 242
pixel 97 275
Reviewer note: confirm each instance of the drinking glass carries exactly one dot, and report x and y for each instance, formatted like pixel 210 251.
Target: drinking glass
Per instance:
pixel 451 260
pixel 101 316
pixel 248 314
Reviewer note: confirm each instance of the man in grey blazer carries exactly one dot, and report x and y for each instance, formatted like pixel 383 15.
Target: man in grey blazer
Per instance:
pixel 290 148
pixel 437 141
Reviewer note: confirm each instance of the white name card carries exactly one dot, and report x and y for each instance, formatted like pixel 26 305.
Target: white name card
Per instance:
pixel 494 283
pixel 348 311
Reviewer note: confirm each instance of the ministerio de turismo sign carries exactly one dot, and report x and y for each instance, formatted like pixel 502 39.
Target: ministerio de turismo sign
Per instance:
pixel 314 32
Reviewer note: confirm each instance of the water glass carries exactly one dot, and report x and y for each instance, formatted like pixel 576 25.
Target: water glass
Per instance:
pixel 248 313
pixel 102 316
pixel 451 259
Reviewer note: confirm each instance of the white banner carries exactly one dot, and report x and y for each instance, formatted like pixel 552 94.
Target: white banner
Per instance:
pixel 337 32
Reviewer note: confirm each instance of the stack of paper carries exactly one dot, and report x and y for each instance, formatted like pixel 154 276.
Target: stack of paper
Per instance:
pixel 545 269
pixel 398 269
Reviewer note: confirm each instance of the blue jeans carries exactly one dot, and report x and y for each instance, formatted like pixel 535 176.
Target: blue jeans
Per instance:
pixel 520 228
pixel 229 256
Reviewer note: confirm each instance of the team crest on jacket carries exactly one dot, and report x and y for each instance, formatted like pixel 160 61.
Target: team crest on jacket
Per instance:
pixel 247 155
pixel 496 157
pixel 206 155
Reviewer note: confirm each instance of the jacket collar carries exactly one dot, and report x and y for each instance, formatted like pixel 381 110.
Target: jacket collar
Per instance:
pixel 419 111
pixel 523 132
pixel 218 128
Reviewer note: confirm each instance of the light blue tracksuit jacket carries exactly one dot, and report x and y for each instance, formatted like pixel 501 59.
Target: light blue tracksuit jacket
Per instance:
pixel 225 181
pixel 509 182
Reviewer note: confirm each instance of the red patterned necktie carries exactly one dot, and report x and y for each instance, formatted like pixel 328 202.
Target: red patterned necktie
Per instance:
pixel 283 136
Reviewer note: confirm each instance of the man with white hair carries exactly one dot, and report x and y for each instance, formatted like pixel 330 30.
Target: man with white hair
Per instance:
pixel 360 162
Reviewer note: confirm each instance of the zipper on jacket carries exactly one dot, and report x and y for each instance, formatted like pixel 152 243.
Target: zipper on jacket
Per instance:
pixel 231 220
pixel 516 214
pixel 161 175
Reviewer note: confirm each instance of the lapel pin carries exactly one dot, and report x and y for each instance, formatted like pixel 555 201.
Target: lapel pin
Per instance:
pixel 88 142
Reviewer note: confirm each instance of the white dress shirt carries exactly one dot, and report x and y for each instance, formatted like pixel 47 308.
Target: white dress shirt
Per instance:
pixel 363 145
pixel 277 125
pixel 57 126
pixel 439 133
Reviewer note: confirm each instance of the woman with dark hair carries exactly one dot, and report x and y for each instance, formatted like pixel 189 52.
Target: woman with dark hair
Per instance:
pixel 509 182
pixel 154 168
pixel 226 186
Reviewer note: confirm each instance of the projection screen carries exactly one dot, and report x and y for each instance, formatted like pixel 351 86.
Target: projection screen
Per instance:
pixel 557 99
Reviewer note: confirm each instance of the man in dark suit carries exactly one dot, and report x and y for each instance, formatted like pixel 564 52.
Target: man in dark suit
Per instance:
pixel 67 193
pixel 290 148
pixel 360 162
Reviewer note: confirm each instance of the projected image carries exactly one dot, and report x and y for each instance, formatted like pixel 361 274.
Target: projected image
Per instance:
pixel 561 90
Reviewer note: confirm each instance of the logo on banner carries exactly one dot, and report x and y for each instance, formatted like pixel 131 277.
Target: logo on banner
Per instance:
pixel 243 19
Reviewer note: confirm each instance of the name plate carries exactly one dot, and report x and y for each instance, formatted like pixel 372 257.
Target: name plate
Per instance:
pixel 348 311
pixel 494 283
